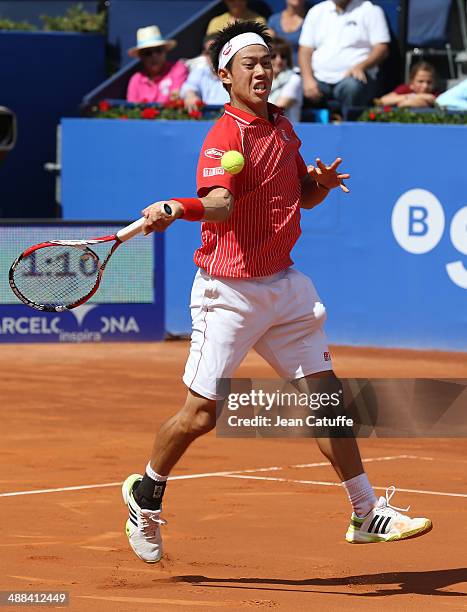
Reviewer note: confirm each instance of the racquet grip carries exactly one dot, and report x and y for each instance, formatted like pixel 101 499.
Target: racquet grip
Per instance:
pixel 130 231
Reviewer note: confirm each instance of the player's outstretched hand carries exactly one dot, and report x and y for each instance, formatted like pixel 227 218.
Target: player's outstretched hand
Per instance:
pixel 156 219
pixel 328 176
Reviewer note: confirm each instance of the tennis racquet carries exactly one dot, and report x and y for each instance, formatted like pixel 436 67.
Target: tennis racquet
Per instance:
pixel 62 274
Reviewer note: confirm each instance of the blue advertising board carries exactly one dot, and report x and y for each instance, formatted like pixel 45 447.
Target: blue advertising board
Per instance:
pixel 389 259
pixel 128 306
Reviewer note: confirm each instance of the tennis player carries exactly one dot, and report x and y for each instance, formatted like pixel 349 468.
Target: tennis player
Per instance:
pixel 246 292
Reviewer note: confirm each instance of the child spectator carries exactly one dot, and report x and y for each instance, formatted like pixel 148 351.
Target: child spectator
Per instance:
pixel 286 91
pixel 419 92
pixel 159 80
pixel 288 24
pixel 237 10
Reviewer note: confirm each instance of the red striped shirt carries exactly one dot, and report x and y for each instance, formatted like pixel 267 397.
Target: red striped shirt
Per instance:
pixel 265 223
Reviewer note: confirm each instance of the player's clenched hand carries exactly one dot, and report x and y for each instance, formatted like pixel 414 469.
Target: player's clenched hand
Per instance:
pixel 156 219
pixel 328 176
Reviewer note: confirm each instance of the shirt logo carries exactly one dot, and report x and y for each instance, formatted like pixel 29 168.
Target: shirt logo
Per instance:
pixel 285 136
pixel 327 356
pixel 213 171
pixel 214 153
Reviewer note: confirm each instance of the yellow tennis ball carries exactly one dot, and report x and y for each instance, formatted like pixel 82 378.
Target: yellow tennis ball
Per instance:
pixel 233 162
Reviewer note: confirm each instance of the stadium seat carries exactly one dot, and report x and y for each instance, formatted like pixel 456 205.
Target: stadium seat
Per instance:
pixel 428 31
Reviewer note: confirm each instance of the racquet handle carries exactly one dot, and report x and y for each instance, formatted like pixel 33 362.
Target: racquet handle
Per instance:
pixel 130 231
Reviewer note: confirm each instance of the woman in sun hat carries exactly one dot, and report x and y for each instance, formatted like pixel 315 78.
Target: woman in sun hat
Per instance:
pixel 158 80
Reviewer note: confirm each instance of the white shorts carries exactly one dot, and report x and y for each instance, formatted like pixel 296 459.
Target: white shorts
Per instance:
pixel 281 316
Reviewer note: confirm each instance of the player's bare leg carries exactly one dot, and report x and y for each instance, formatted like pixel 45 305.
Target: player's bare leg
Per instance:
pixel 143 494
pixel 343 453
pixel 197 417
pixel 372 520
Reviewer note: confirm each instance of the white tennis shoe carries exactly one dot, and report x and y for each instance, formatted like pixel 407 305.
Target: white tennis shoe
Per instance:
pixel 142 526
pixel 385 524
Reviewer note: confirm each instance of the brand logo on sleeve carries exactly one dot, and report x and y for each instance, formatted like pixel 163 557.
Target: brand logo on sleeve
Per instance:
pixel 214 153
pixel 213 171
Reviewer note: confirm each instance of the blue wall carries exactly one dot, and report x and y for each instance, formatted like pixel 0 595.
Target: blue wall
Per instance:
pixel 43 77
pixel 377 292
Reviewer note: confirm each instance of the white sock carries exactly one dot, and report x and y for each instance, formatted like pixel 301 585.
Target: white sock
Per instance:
pixel 361 494
pixel 154 475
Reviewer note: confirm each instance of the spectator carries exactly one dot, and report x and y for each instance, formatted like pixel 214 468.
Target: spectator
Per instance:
pixel 286 91
pixel 159 80
pixel 201 60
pixel 203 86
pixel 455 98
pixel 288 24
pixel 419 92
pixel 237 10
pixel 341 46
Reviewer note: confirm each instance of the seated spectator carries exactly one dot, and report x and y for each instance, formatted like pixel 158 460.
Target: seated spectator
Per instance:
pixel 454 98
pixel 286 90
pixel 419 92
pixel 288 24
pixel 237 10
pixel 340 48
pixel 159 80
pixel 203 86
pixel 201 60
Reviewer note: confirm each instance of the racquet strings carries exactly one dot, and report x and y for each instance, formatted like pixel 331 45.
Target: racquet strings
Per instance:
pixel 57 275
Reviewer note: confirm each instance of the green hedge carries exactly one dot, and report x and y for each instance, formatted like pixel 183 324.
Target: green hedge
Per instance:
pixel 389 114
pixel 76 19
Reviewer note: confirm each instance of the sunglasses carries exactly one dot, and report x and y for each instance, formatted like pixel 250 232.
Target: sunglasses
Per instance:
pixel 149 52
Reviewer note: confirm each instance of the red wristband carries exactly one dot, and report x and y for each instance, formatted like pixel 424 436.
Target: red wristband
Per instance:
pixel 193 209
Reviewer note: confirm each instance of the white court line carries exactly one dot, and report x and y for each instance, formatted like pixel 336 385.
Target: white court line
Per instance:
pixel 369 460
pixel 205 475
pixel 337 484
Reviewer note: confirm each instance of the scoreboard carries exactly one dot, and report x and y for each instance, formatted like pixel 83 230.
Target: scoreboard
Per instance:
pixel 128 306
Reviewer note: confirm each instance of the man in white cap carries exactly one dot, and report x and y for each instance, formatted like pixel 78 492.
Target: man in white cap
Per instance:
pixel 246 294
pixel 159 80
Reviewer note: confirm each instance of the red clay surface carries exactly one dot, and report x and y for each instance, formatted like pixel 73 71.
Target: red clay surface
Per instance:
pixel 85 415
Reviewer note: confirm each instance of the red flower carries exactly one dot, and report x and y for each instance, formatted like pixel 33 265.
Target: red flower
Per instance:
pixel 195 114
pixel 123 116
pixel 149 113
pixel 171 104
pixel 180 103
pixel 372 116
pixel 144 101
pixel 200 103
pixel 104 106
pixel 387 109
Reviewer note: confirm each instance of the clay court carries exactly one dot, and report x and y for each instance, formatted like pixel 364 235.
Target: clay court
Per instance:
pixel 252 523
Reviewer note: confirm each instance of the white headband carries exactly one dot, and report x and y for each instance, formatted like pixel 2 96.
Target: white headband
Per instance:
pixel 236 43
